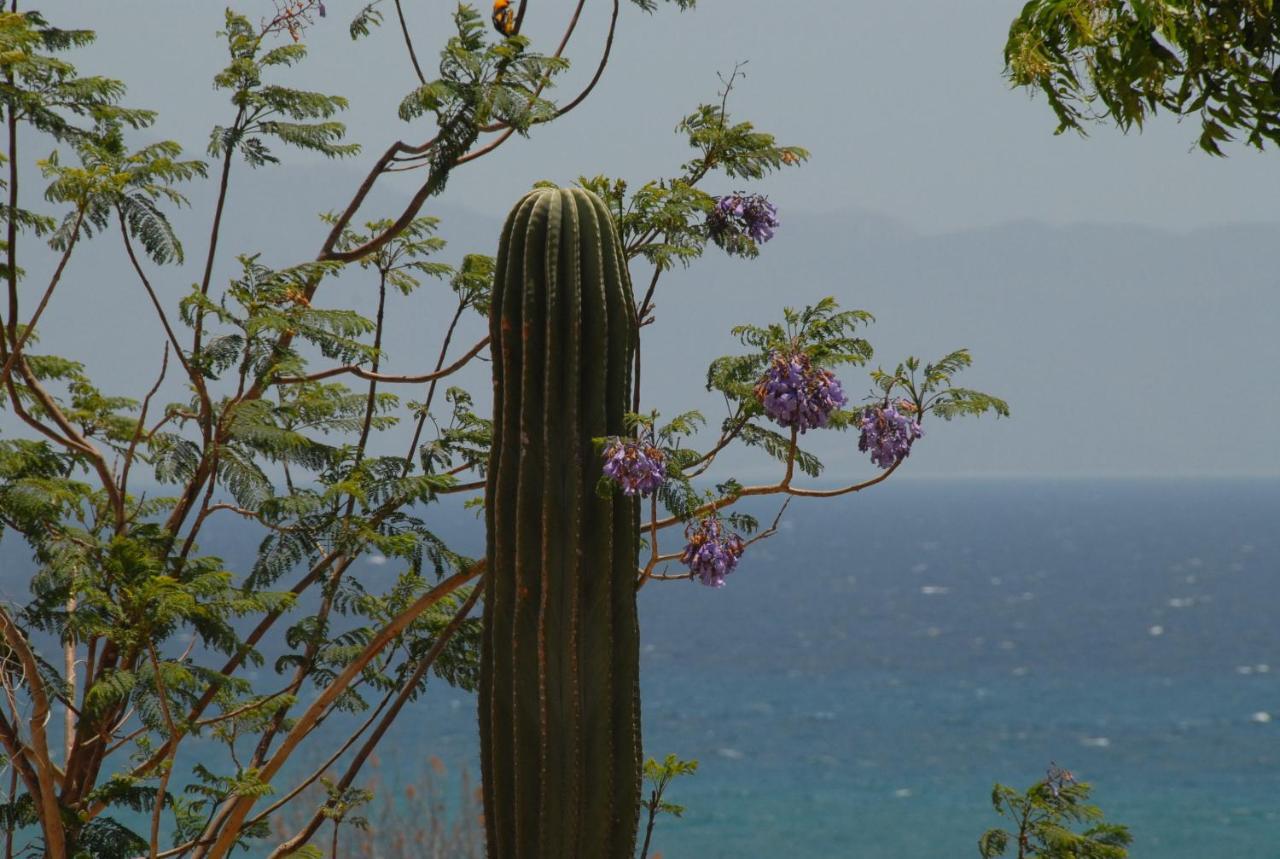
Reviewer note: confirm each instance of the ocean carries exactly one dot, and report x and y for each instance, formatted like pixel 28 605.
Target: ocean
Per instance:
pixel 863 681
pixel 872 670
pixel 869 673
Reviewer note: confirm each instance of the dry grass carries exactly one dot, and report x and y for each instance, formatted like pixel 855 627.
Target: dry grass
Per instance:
pixel 412 820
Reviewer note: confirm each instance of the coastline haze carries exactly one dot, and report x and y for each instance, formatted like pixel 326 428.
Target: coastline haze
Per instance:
pixel 1128 318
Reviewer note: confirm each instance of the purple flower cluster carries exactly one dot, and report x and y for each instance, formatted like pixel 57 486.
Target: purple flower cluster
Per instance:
pixel 888 434
pixel 638 467
pixel 796 394
pixel 740 221
pixel 711 553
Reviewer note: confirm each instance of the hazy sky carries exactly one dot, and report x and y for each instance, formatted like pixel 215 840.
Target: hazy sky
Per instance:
pixel 903 105
pixel 1139 347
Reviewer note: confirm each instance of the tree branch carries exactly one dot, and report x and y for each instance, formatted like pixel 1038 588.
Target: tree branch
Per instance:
pixel 50 812
pixel 408 43
pixel 237 808
pixel 27 331
pixel 361 373
pixel 406 691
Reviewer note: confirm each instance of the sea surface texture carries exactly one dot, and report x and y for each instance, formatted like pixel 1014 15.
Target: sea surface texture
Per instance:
pixel 872 670
pixel 869 673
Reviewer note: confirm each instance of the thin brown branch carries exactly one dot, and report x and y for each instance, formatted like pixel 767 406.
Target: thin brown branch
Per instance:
pixel 248 514
pixel 46 800
pixel 189 543
pixel 653 542
pixel 640 315
pixel 726 438
pixel 461 487
pixel 215 230
pixel 408 43
pixel 791 458
pixel 604 61
pixel 197 379
pixel 644 576
pixel 16 351
pixel 542 84
pixel 11 226
pixel 772 529
pixel 17 753
pixel 157 808
pixel 406 692
pixel 71 437
pixel 508 131
pixel 15 400
pixel 297 789
pixel 229 821
pixel 361 373
pixel 239 711
pixel 431 389
pixel 776 489
pixel 138 432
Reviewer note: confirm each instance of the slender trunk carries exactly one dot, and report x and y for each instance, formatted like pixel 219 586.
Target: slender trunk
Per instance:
pixel 431 392
pixel 69 668
pixel 13 795
pixel 648 831
pixel 11 228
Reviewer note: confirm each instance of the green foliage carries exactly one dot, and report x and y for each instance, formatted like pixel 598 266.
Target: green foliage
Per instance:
pixel 664 220
pixel 1125 60
pixel 930 389
pixel 45 91
pixel 269 111
pixel 365 20
pixel 121 572
pixel 283 418
pixel 652 5
pixel 1044 816
pixel 113 181
pixel 402 262
pixel 480 83
pixel 105 838
pixel 659 775
pixel 341 802
pixel 307 851
pixel 823 332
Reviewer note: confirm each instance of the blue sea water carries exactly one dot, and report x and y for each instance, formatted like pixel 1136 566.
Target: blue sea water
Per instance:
pixel 869 672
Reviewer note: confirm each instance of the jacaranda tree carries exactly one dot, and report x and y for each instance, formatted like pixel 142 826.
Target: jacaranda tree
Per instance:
pixel 144 648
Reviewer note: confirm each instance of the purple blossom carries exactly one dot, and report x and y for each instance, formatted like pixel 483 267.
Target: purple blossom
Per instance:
pixel 739 222
pixel 888 434
pixel 711 554
pixel 638 467
pixel 796 394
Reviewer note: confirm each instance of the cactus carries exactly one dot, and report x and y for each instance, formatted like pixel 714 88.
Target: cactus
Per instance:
pixel 559 681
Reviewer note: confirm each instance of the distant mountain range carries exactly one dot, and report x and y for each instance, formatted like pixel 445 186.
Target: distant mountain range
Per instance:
pixel 1123 350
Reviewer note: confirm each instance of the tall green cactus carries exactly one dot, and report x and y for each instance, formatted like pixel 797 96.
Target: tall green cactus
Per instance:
pixel 559 681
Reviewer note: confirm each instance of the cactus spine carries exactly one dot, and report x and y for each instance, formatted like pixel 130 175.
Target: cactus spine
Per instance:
pixel 559 681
